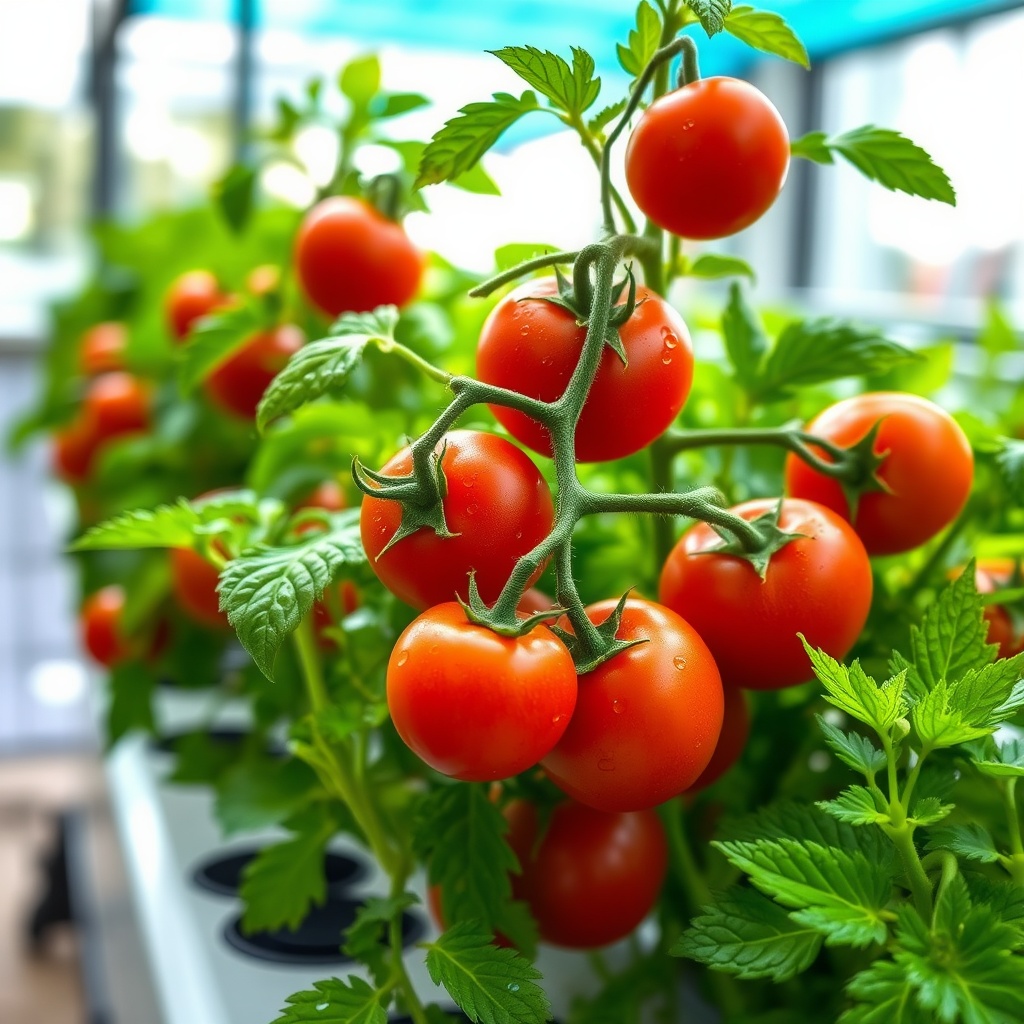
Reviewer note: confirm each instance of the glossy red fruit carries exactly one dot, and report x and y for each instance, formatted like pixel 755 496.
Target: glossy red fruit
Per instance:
pixel 991 576
pixel 735 732
pixel 101 349
pixel 194 582
pixel 193 295
pixel 74 447
pixel 115 404
pixel 237 384
pixel 349 258
pixel 100 626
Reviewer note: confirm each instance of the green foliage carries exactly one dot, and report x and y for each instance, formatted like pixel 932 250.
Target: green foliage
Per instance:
pixel 130 704
pixel 261 791
pixel 366 938
pixel 709 265
pixel 853 749
pixel 711 13
pixel 335 1002
pixel 571 88
pixel 642 41
pixel 235 194
pixel 213 339
pixel 169 526
pixel 766 31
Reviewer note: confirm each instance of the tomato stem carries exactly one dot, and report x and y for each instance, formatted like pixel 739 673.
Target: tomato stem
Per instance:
pixel 689 70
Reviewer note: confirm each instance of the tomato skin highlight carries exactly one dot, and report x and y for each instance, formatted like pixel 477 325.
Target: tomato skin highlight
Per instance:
pixel 350 258
pixel 531 346
pixel 101 349
pixel 194 582
pixel 646 721
pixel 238 383
pixel 819 585
pixel 593 877
pixel 498 504
pixel 190 297
pixel 99 621
pixel 708 159
pixel 475 705
pixel 929 469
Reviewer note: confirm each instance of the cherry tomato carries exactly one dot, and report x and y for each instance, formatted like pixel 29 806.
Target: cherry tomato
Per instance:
pixel 593 877
pixel 819 585
pixel 194 582
pixel 264 279
pixel 928 470
pixel 475 705
pixel 193 295
pixel 100 624
pixel 707 160
pixel 992 575
pixel 327 495
pixel 74 448
pixel 735 732
pixel 497 503
pixel 646 721
pixel 116 404
pixel 531 346
pixel 237 384
pixel 344 601
pixel 349 258
pixel 101 349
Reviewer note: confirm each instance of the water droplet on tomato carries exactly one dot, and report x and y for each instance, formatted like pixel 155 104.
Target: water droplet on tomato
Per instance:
pixel 666 358
pixel 687 125
pixel 434 648
pixel 679 661
pixel 618 707
pixel 471 510
pixel 524 330
pixel 669 338
pixel 606 764
pixel 402 658
pixel 557 719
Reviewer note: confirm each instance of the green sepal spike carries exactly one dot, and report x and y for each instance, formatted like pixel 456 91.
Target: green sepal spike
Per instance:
pixel 479 614
pixel 868 461
pixel 610 645
pixel 773 538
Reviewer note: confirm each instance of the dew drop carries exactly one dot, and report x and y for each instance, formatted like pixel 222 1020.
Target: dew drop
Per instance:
pixel 471 510
pixel 666 358
pixel 606 764
pixel 320 1007
pixel 687 126
pixel 669 338
pixel 557 719
pixel 524 330
pixel 679 661
pixel 434 648
pixel 402 658
pixel 519 535
pixel 512 986
pixel 618 707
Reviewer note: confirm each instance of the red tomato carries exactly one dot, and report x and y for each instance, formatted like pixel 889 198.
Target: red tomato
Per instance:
pixel 193 295
pixel 264 279
pixel 646 721
pixel 497 503
pixel 74 447
pixel 100 619
pixel 593 877
pixel 735 732
pixel 101 349
pixel 238 383
pixel 194 581
pixel 326 495
pixel 344 601
pixel 707 160
pixel 991 575
pixel 534 601
pixel 349 258
pixel 116 404
pixel 531 346
pixel 928 469
pixel 819 585
pixel 475 705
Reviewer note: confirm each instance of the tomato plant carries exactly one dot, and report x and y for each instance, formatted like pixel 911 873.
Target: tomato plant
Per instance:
pixel 350 258
pixel 716 591
pixel 497 508
pixel 116 404
pixel 646 721
pixel 925 476
pixel 717 138
pixel 531 345
pixel 589 878
pixel 193 295
pixel 237 384
pixel 475 705
pixel 100 622
pixel 102 348
pixel 733 738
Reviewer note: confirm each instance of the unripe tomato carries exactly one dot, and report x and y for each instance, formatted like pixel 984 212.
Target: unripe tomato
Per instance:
pixel 116 404
pixel 818 584
pixel 350 258
pixel 646 721
pixel 194 582
pixel 74 447
pixel 238 383
pixel 498 505
pixel 476 705
pixel 101 349
pixel 593 877
pixel 735 732
pixel 193 295
pixel 708 159
pixel 100 619
pixel 927 472
pixel 531 346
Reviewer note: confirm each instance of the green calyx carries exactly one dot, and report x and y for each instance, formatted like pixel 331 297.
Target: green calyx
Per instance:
pixel 603 643
pixel 499 621
pixel 757 549
pixel 859 470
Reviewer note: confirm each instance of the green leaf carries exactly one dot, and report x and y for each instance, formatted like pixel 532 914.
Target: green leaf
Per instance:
pixel 360 79
pixel 822 350
pixel 885 996
pixel 643 41
pixel 813 146
pixel 394 104
pixel 366 938
pixel 856 805
pixel 335 1002
pixel 838 893
pixel 283 881
pixel 853 749
pixel 167 526
pixel 267 591
pixel 289 117
pixel 884 156
pixel 130 692
pixel 570 88
pixel 507 256
pixel 853 691
pixel 605 116
pixel 711 13
pixel 768 32
pixel 477 181
pixel 465 138
pixel 743 933
pixel 1010 461
pixel 745 340
pixel 938 725
pixel 1008 763
pixel 990 695
pixel 234 194
pixel 929 810
pixel 324 366
pixel 260 792
pixel 711 266
pixel 213 339
pixel 970 841
pixel 490 985
pixel 997 335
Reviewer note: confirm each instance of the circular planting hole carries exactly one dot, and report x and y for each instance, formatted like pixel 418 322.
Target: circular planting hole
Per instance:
pixel 221 873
